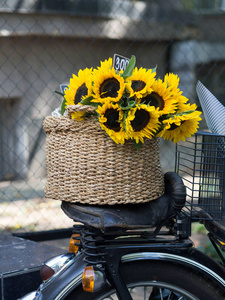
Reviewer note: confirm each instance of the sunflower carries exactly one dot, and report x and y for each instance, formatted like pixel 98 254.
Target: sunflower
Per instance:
pixel 142 121
pixel 180 127
pixel 106 65
pixel 111 120
pixel 172 81
pixel 184 106
pixel 107 85
pixel 140 82
pixel 160 97
pixel 79 88
pixel 78 115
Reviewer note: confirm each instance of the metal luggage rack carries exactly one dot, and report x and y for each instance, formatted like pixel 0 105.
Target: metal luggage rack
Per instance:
pixel 200 161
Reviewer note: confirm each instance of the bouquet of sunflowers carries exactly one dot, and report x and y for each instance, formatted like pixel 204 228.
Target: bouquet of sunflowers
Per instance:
pixel 132 103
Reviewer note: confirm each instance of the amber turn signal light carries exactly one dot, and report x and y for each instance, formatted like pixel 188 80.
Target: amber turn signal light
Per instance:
pixel 93 279
pixel 73 241
pixel 88 279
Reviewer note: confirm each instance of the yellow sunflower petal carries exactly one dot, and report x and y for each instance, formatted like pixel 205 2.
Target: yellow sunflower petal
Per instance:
pixel 110 118
pixel 140 82
pixel 184 106
pixel 142 121
pixel 106 64
pixel 107 86
pixel 78 115
pixel 161 97
pixel 172 81
pixel 181 127
pixel 80 87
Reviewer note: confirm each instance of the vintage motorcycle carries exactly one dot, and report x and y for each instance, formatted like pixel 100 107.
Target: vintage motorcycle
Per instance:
pixel 143 251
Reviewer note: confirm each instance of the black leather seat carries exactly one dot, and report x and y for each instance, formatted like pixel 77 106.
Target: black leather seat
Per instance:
pixel 130 216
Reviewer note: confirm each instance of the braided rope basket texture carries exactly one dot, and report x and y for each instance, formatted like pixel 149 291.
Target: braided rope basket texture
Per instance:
pixel 84 165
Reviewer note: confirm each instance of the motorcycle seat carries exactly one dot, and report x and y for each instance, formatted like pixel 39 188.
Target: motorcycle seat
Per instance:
pixel 130 216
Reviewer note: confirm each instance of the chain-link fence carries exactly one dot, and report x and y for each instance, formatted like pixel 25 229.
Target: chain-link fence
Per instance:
pixel 44 42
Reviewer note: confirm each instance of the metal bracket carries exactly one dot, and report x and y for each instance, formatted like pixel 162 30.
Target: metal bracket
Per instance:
pixel 183 226
pixel 113 258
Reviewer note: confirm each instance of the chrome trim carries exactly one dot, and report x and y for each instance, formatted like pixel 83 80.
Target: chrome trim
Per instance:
pixel 171 257
pixel 72 277
pixel 30 296
pixel 56 262
pixel 59 264
pixel 68 287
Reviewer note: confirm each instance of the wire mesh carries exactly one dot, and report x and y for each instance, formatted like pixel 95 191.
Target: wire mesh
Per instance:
pixel 201 164
pixel 214 111
pixel 44 42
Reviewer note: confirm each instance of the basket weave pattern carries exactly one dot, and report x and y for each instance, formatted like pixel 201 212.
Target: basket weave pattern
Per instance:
pixel 84 165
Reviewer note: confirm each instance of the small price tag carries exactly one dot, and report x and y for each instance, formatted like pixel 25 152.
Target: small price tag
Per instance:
pixel 63 87
pixel 120 62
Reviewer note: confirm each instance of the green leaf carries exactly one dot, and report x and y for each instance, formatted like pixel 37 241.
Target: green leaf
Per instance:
pixel 124 107
pixel 130 67
pixel 187 112
pixel 61 94
pixel 95 104
pixel 182 113
pixel 137 145
pixel 87 101
pixel 88 114
pixel 130 104
pixel 63 107
pixel 153 70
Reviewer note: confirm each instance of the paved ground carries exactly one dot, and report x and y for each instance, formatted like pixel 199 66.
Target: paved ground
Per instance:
pixel 32 215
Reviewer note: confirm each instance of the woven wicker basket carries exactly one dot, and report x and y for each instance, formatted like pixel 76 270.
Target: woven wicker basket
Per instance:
pixel 84 165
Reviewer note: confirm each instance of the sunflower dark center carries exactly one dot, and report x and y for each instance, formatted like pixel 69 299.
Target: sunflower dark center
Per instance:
pixel 174 126
pixel 112 116
pixel 81 91
pixel 137 85
pixel 153 99
pixel 109 88
pixel 141 120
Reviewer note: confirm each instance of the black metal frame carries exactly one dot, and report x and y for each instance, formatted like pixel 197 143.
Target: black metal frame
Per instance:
pixel 107 249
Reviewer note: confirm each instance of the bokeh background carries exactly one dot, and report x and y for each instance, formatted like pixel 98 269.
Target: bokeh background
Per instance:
pixel 44 42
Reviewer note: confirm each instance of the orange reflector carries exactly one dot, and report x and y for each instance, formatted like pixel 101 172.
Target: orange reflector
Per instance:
pixel 88 279
pixel 72 247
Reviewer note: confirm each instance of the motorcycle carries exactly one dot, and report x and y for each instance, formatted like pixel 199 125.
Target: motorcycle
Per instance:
pixel 144 251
